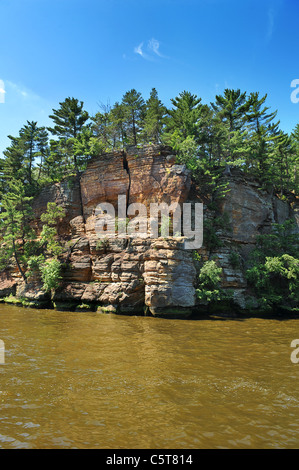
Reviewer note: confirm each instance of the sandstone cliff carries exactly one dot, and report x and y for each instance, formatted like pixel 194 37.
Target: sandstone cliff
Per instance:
pixel 138 275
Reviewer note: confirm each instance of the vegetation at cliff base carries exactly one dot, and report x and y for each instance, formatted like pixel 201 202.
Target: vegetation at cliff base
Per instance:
pixel 209 283
pixel 274 270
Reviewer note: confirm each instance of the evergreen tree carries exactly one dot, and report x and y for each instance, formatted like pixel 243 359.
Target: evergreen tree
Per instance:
pixel 230 109
pixel 69 121
pixel 43 149
pixel 182 120
pixel 262 132
pixel 29 135
pixel 133 107
pixel 118 128
pixel 21 156
pixel 13 164
pixel 14 224
pixel 153 118
pixel 105 129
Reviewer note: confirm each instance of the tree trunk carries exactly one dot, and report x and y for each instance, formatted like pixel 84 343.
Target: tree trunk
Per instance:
pixel 17 261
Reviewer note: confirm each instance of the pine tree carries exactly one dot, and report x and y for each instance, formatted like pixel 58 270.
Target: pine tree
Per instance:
pixel 262 131
pixel 13 164
pixel 42 149
pixel 134 107
pixel 22 154
pixel 230 109
pixel 153 118
pixel 104 129
pixel 14 224
pixel 282 156
pixel 69 121
pixel 118 128
pixel 182 120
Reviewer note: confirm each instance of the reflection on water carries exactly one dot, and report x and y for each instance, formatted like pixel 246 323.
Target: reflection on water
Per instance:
pixel 83 380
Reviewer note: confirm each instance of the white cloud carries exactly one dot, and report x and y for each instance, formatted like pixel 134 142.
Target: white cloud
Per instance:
pixel 154 45
pixel 152 49
pixel 138 49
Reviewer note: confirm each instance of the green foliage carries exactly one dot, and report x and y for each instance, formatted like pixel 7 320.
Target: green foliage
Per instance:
pixel 183 118
pixel 237 130
pixel 133 108
pixel 210 238
pixel 49 236
pixel 196 256
pixel 14 223
pixel 19 241
pixel 49 245
pixel 34 264
pixel 53 214
pixel 210 274
pixel 70 128
pixel 211 228
pixel 21 155
pixel 209 283
pixel 282 239
pixel 234 259
pixel 275 279
pixel 50 273
pixel 153 121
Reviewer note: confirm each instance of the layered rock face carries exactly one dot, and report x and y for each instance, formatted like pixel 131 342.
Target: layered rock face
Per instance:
pixel 155 275
pixel 124 274
pixel 251 212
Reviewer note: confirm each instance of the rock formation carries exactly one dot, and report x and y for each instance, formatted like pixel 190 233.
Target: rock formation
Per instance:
pixel 144 275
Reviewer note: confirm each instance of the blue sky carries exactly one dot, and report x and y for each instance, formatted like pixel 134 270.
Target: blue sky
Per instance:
pixel 96 50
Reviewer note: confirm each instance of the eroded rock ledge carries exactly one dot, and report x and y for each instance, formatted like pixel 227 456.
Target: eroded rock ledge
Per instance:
pixel 155 276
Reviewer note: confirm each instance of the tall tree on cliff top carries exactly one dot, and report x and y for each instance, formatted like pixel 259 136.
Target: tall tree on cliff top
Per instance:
pixel 108 127
pixel 118 131
pixel 263 132
pixel 69 121
pixel 282 163
pixel 102 128
pixel 153 118
pixel 134 107
pixel 230 109
pixel 182 120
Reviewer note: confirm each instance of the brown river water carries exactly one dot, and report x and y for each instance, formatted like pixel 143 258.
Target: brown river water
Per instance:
pixel 87 380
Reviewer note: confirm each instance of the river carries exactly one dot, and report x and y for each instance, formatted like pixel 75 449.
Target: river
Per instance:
pixel 87 380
